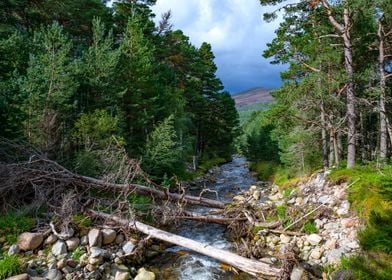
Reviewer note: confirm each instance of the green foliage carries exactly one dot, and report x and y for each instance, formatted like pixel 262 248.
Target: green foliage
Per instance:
pixel 77 253
pixel 264 169
pixel 246 112
pixel 9 266
pixel 14 223
pixel 81 221
pixel 287 192
pixel 163 153
pixel 310 227
pixel 140 203
pixel 369 266
pixel 281 211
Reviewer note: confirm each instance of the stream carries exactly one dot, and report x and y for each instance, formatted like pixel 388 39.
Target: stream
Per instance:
pixel 177 262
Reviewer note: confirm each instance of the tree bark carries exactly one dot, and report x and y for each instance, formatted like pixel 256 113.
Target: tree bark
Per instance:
pixel 383 123
pixel 324 136
pixel 344 31
pixel 255 268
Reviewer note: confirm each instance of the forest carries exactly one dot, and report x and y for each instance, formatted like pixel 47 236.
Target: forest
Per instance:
pixel 78 77
pixel 115 129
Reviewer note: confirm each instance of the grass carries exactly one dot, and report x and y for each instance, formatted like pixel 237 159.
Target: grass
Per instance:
pixel 310 227
pixel 281 211
pixel 264 169
pixel 76 254
pixel 81 221
pixel 14 223
pixel 370 195
pixel 9 266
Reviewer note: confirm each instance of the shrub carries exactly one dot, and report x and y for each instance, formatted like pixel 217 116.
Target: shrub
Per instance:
pixel 9 266
pixel 264 169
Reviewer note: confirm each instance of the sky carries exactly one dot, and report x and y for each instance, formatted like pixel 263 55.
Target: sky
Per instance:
pixel 237 33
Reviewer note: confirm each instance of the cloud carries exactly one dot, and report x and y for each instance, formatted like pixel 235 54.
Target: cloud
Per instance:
pixel 237 33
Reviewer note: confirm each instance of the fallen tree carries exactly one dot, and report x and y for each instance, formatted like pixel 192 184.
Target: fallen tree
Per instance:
pixel 40 179
pixel 253 267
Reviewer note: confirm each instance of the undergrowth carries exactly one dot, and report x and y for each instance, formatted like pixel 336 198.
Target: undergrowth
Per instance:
pixel 14 223
pixel 370 195
pixel 9 266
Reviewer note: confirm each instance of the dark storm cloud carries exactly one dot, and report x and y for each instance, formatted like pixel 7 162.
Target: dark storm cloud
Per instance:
pixel 238 36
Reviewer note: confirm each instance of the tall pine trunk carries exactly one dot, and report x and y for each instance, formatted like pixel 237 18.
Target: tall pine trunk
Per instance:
pixel 383 123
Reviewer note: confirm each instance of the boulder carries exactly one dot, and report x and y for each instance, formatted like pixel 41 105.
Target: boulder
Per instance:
pixel 59 248
pixel 72 243
pixel 53 274
pixel 29 241
pixel 95 238
pixel 143 274
pixel 108 236
pixel 51 239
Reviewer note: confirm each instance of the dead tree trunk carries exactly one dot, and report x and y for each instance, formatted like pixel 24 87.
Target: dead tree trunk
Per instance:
pixel 383 123
pixel 252 267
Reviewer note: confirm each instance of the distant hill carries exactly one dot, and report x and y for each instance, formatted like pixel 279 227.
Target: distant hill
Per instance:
pixel 252 96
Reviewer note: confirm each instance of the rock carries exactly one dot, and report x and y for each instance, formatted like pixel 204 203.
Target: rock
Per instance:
pixel 299 201
pixel 84 240
pixel 96 252
pixel 59 248
pixel 108 236
pixel 61 264
pixel 252 188
pixel 275 197
pixel 83 261
pixel 13 250
pixel 297 273
pixel 143 274
pixel 348 222
pixel 334 256
pixel 23 276
pixel 120 238
pixel 122 275
pixel 51 239
pixel 95 238
pixel 256 195
pixel 330 244
pixel 128 247
pixel 54 274
pixel 90 267
pixel 316 254
pixel 29 241
pixel 72 263
pixel 343 209
pixel 95 261
pixel 72 243
pixel 314 239
pixel 285 239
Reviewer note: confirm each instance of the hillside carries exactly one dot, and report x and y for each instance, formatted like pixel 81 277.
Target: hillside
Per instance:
pixel 252 96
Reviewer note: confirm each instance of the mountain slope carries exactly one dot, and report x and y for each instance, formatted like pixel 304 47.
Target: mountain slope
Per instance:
pixel 252 96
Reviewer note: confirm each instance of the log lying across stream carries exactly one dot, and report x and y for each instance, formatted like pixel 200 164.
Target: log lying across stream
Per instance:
pixel 253 267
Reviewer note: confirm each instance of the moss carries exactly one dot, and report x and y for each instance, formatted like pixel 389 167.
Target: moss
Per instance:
pixel 81 221
pixel 9 266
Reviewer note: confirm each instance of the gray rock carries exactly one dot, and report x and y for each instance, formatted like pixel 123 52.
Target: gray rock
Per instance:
pixel 96 252
pixel 84 240
pixel 316 254
pixel 54 274
pixel 334 256
pixel 120 238
pixel 95 238
pixel 13 250
pixel 143 274
pixel 23 276
pixel 128 247
pixel 29 241
pixel 108 236
pixel 314 239
pixel 285 239
pixel 72 243
pixel 61 264
pixel 59 248
pixel 297 273
pixel 51 239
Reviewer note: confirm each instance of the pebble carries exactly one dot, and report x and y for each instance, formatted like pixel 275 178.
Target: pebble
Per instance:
pixel 59 248
pixel 94 238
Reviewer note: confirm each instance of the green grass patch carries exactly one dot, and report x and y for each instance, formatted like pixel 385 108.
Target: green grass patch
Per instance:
pixel 9 266
pixel 14 223
pixel 310 227
pixel 77 253
pixel 281 211
pixel 81 221
pixel 369 266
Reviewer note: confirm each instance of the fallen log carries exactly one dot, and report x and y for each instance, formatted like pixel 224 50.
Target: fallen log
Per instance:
pixel 253 267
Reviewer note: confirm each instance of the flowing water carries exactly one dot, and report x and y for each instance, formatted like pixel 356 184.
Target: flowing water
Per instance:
pixel 177 263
